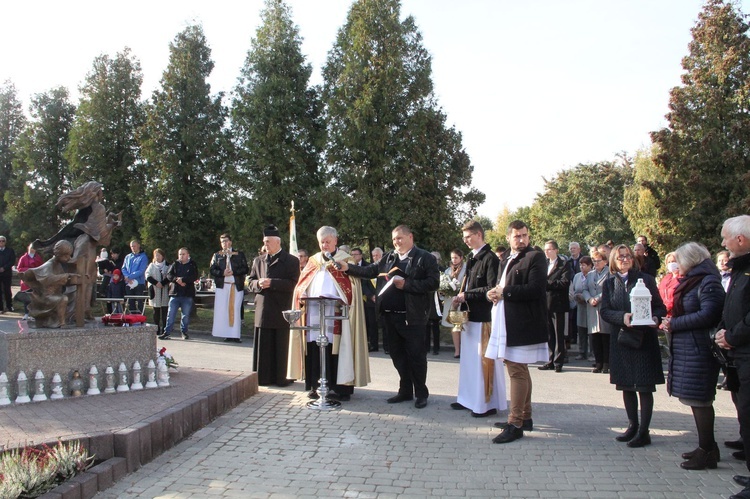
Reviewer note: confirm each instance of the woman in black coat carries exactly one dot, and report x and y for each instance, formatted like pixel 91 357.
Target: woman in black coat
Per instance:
pixel 634 371
pixel 693 370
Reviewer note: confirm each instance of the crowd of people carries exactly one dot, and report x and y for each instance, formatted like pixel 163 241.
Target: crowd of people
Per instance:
pixel 523 305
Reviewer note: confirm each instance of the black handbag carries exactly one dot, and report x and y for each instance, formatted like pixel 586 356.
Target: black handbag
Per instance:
pixel 630 337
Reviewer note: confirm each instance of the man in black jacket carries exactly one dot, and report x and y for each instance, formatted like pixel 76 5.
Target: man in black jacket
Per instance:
pixel 481 381
pixel 734 328
pixel 7 261
pixel 407 277
pixel 558 305
pixel 182 275
pixel 519 332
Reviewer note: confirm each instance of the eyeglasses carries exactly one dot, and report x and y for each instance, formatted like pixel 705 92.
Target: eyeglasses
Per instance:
pixel 622 258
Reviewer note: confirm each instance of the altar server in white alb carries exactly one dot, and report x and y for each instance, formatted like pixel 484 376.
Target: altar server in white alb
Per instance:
pixel 481 381
pixel 228 270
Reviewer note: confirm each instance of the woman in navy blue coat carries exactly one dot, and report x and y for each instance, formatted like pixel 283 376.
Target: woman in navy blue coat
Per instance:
pixel 693 370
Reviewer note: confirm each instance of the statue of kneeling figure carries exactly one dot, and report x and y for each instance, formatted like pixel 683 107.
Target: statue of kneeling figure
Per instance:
pixel 49 303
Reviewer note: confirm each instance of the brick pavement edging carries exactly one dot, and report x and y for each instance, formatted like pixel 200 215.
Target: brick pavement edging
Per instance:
pixel 126 450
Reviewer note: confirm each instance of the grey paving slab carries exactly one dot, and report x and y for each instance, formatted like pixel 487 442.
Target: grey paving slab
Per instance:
pixel 272 446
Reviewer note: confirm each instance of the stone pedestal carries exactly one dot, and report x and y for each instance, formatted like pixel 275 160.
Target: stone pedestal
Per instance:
pixel 67 349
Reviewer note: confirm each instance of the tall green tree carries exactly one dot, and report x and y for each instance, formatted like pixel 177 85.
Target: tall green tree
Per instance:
pixel 12 124
pixel 584 204
pixel 41 173
pixel 184 144
pixel 392 159
pixel 278 129
pixel 103 145
pixel 702 157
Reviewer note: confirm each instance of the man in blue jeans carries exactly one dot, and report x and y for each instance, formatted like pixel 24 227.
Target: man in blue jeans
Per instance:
pixel 182 275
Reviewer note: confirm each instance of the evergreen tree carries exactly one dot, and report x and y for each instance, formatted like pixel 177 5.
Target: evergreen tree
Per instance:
pixel 278 131
pixel 584 204
pixel 40 169
pixel 391 157
pixel 12 124
pixel 184 145
pixel 702 158
pixel 103 144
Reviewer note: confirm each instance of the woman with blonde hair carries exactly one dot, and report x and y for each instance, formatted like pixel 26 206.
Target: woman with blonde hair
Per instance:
pixel 635 367
pixel 158 288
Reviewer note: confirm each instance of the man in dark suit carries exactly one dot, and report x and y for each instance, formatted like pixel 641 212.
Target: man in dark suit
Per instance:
pixel 519 332
pixel 574 266
pixel 481 381
pixel 411 276
pixel 7 261
pixel 368 295
pixel 272 279
pixel 558 304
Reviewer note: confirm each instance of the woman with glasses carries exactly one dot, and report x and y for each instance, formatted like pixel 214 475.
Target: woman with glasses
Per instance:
pixel 598 330
pixel 693 370
pixel 634 370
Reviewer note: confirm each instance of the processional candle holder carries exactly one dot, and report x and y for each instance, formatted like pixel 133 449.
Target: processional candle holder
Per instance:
pixel 293 316
pixel 640 305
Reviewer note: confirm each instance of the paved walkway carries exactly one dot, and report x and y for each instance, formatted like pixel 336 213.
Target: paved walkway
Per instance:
pixel 272 446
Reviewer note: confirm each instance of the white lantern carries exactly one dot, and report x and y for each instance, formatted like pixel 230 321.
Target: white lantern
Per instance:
pixel 137 385
pixel 151 369
pixel 640 305
pixel 23 389
pixel 93 382
pixel 56 387
pixel 122 378
pixel 4 389
pixel 39 394
pixel 109 376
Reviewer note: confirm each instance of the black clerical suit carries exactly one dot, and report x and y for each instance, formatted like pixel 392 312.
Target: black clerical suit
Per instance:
pixel 558 304
pixel 271 343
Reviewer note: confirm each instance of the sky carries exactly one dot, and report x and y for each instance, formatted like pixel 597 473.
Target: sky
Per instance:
pixel 534 87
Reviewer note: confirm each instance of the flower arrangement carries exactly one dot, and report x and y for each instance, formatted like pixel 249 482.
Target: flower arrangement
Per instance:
pixel 32 471
pixel 448 285
pixel 171 362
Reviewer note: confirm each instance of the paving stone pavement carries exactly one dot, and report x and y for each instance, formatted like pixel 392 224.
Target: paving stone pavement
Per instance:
pixel 272 446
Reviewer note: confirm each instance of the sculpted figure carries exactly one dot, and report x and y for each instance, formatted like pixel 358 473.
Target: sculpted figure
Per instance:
pixel 47 282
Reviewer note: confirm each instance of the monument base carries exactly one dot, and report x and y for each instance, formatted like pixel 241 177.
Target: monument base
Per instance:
pixel 71 348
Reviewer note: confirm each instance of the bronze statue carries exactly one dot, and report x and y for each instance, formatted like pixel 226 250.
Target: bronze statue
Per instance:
pixel 91 226
pixel 49 302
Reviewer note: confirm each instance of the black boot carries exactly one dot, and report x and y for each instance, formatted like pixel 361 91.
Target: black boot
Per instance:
pixel 714 453
pixel 701 460
pixel 629 433
pixel 642 439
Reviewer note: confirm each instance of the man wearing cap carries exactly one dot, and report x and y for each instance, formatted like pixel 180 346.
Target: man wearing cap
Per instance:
pixel 272 279
pixel 7 260
pixel 349 365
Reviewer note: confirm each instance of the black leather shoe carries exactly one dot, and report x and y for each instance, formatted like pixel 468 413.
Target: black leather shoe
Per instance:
pixel 735 444
pixel 741 480
pixel 546 367
pixel 740 454
pixel 340 398
pixel 458 407
pixel 483 414
pixel 743 494
pixel 558 369
pixel 313 394
pixel 399 398
pixel 528 425
pixel 421 402
pixel 628 435
pixel 642 439
pixel 509 434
